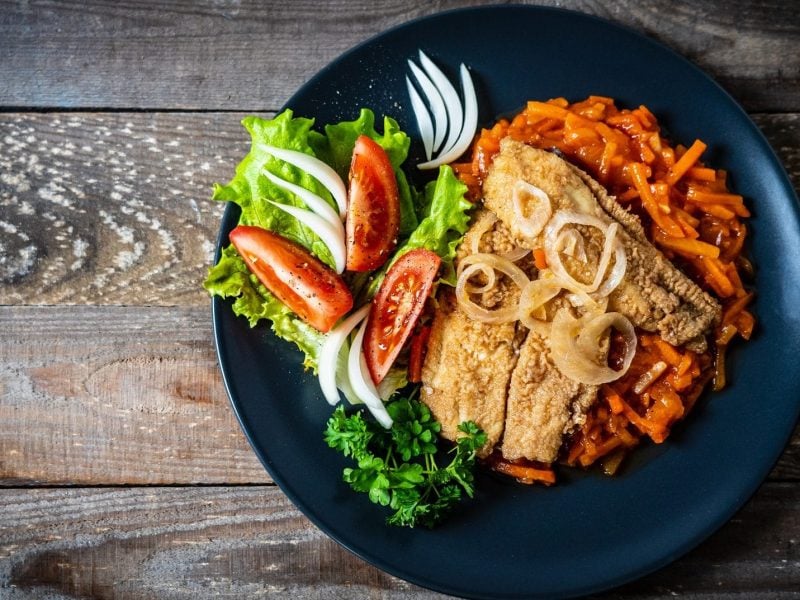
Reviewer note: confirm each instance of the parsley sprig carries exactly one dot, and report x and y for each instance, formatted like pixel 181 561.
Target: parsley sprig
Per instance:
pixel 398 467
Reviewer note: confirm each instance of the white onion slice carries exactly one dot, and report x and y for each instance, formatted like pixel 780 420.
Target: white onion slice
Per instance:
pixel 478 232
pixel 561 219
pixel 468 125
pixel 485 263
pixel 330 235
pixel 455 113
pixel 539 214
pixel 605 258
pixel 491 279
pixel 498 263
pixel 361 381
pixel 317 169
pixel 515 254
pixel 575 346
pixel 436 105
pixel 617 271
pixel 571 243
pixel 314 202
pixel 534 296
pixel 329 353
pixel 553 243
pixel 479 313
pixel 423 119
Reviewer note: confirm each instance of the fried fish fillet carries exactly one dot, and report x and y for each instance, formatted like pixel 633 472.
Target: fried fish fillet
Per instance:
pixel 468 364
pixel 654 294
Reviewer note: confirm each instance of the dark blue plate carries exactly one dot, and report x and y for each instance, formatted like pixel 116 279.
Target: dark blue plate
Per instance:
pixel 589 532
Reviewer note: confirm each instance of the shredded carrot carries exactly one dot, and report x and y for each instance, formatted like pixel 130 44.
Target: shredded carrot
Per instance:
pixel 686 247
pixel 685 162
pixel 716 277
pixel 540 259
pixel 522 470
pixel 687 211
pixel 702 174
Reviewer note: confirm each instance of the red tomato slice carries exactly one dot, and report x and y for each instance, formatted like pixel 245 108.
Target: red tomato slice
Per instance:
pixel 297 278
pixel 396 308
pixel 373 210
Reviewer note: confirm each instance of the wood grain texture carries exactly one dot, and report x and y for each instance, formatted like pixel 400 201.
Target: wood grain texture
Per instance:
pixel 111 208
pixel 205 54
pixel 176 543
pixel 115 396
pixel 114 208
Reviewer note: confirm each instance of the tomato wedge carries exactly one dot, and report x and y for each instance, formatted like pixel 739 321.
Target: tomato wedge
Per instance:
pixel 373 209
pixel 396 308
pixel 297 278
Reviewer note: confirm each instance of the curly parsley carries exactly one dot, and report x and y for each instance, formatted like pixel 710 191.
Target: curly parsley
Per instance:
pixel 398 467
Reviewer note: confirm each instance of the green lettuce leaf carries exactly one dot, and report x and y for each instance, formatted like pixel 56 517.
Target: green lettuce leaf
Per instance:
pixel 444 219
pixel 250 189
pixel 230 278
pixel 341 139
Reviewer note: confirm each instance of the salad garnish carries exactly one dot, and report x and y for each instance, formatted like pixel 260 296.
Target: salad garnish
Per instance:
pixel 460 121
pixel 402 467
pixel 309 247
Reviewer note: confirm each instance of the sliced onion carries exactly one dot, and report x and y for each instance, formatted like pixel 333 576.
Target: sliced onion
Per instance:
pixel 605 258
pixel 532 300
pixel 435 103
pixel 478 232
pixel 570 242
pixel 317 169
pixel 617 271
pixel 648 377
pixel 314 202
pixel 575 345
pixel 474 311
pixel 515 254
pixel 423 118
pixel 539 214
pixel 452 103
pixel 468 125
pixel 342 381
pixel 335 340
pixel 558 222
pixel 330 235
pixel 487 263
pixel 611 244
pixel 498 263
pixel 491 279
pixel 361 381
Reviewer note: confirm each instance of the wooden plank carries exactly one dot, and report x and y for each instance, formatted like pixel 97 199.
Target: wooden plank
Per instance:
pixel 235 542
pixel 115 395
pixel 251 56
pixel 126 395
pixel 114 208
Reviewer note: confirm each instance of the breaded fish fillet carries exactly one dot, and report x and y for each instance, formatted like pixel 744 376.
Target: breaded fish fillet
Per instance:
pixel 543 404
pixel 468 365
pixel 654 294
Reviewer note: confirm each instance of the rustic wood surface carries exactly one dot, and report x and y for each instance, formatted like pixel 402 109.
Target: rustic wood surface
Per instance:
pixel 81 54
pixel 123 473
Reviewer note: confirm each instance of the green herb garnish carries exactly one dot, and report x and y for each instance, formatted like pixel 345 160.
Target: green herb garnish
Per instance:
pixel 398 467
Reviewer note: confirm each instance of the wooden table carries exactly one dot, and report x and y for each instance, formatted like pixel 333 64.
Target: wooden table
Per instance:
pixel 123 472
